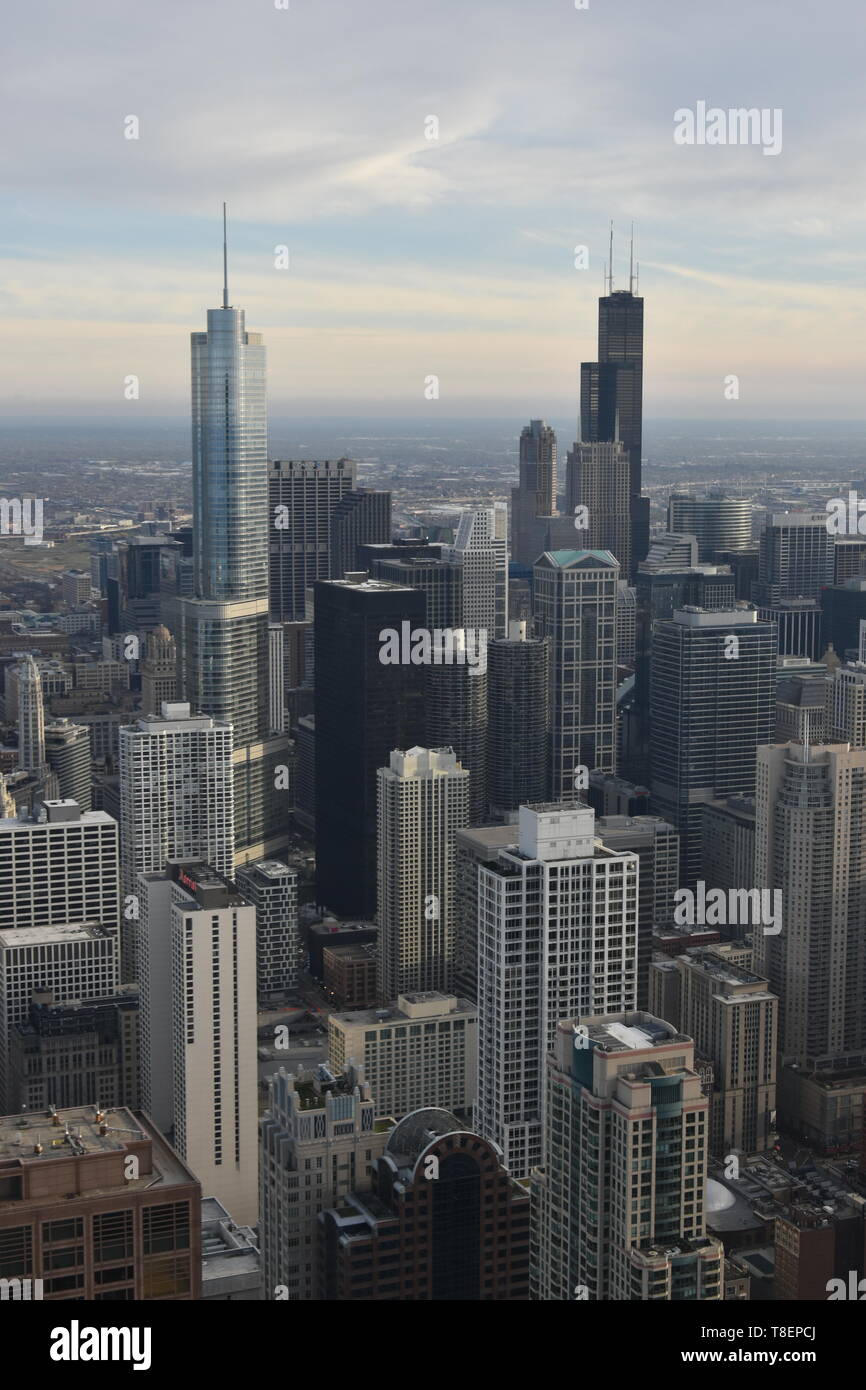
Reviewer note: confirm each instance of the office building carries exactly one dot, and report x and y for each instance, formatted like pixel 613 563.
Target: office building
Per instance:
pixel 271 887
pixel 31 719
pixel 611 396
pixel 318 1139
pixel 533 501
pixel 518 728
pixel 481 549
pixel 364 708
pixel 717 522
pixel 575 607
pixel 712 705
pixel 626 624
pixel 349 975
pixel 67 1053
pixel 557 927
pixel 728 844
pixel 599 480
pixel 303 497
pixel 59 868
pixel 98 1205
pixel 732 1017
pixel 795 557
pixel 418 1240
pixel 419 1052
pixel 846 706
pixel 799 625
pixel 423 802
pixel 618 1209
pixel 67 752
pixel 359 518
pixel 223 631
pixel 70 962
pixel 231 1263
pixel 810 808
pixel 158 670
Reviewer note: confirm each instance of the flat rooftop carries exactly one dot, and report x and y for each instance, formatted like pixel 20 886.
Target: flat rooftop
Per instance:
pixel 631 1032
pixel 49 936
pixel 79 1132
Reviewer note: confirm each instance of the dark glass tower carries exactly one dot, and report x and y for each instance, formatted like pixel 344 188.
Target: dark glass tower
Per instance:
pixel 611 397
pixel 364 710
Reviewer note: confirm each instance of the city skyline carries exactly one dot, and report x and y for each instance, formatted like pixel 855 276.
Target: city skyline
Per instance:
pixel 454 256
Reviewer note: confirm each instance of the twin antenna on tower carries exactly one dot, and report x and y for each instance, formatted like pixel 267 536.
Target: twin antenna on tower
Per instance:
pixel 226 261
pixel 633 268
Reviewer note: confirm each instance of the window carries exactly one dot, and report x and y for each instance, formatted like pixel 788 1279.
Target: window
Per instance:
pixel 166 1228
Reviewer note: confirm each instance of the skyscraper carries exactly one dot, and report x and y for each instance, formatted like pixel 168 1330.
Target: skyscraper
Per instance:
pixel 810 812
pixel 599 479
pixel 158 670
pixel 364 709
pixel 618 1209
pixel 481 548
pixel 59 868
pixel 732 1016
pixel 304 495
pixel 67 750
pixel 272 889
pixel 718 523
pixel 795 558
pixel 31 719
pixel 712 704
pixel 611 396
pixel 223 631
pixel 557 935
pixel 318 1138
pixel 423 800
pixel 359 518
pixel 518 729
pixel 533 501
pixel 575 607
pixel 176 797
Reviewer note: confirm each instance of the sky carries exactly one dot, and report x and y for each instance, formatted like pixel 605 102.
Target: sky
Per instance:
pixel 410 257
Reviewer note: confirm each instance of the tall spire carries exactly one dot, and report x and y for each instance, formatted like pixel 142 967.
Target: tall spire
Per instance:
pixel 225 263
pixel 631 262
pixel 610 262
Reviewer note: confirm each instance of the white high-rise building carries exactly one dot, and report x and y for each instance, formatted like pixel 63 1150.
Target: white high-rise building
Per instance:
pixel 423 800
pixel 176 800
pixel 481 548
pixel 200 936
pixel 557 938
pixel 618 1208
pixel 70 962
pixel 31 719
pixel 319 1138
pixel 810 810
pixel 59 868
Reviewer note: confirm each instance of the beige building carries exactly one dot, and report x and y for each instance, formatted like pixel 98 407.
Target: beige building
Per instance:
pixel 423 800
pixel 318 1139
pixel 732 1017
pixel 618 1208
pixel 421 1052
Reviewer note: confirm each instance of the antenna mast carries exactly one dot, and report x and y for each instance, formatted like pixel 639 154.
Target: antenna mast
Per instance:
pixel 225 263
pixel 610 262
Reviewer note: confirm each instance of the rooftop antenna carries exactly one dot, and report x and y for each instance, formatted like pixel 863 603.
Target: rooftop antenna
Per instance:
pixel 631 262
pixel 225 263
pixel 610 262
pixel 637 278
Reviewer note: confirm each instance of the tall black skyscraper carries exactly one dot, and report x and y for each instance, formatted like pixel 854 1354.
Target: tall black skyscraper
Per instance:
pixel 611 396
pixel 365 708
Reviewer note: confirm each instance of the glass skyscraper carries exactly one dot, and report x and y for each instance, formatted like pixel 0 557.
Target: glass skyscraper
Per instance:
pixel 224 628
